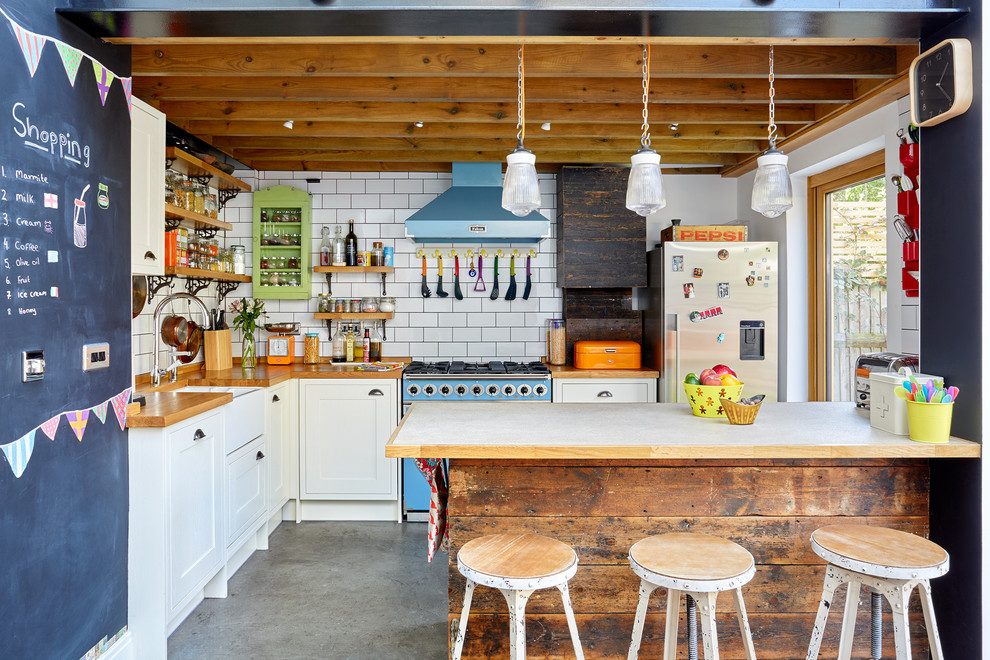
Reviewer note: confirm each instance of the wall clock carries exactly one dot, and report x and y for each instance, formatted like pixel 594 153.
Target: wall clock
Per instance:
pixel 281 349
pixel 941 82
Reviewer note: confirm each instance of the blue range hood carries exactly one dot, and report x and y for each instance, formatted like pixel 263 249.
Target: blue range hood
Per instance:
pixel 470 211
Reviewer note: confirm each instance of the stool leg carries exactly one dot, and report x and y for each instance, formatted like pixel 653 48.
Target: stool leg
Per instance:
pixel 709 637
pixel 832 581
pixel 646 589
pixel 934 643
pixel 462 625
pixel 898 595
pixel 516 600
pixel 571 623
pixel 849 621
pixel 747 635
pixel 670 629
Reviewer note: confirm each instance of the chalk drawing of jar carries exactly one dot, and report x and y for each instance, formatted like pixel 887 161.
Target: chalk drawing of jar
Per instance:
pixel 79 220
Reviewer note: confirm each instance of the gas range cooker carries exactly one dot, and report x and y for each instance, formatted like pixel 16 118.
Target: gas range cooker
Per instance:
pixel 475 381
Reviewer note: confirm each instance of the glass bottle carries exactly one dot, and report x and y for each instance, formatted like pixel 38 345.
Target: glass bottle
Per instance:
pixel 326 247
pixel 358 343
pixel 339 349
pixel 349 344
pixel 339 257
pixel 366 347
pixel 376 344
pixel 350 245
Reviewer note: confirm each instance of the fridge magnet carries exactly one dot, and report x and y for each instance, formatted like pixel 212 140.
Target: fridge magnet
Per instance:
pixel 766 286
pixel 694 316
pixel 750 263
pixel 720 338
pixel 764 259
pixel 698 272
pixel 723 289
pixel 677 263
pixel 689 290
pixel 750 281
pixel 707 314
pixel 723 254
pixel 103 196
pixel 759 278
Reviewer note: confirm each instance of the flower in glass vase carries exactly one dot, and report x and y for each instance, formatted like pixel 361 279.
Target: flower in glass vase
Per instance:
pixel 246 314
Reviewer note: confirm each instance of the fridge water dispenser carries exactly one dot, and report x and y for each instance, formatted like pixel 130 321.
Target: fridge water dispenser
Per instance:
pixel 751 346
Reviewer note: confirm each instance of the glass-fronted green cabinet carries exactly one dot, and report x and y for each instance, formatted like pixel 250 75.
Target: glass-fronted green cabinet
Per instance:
pixel 281 237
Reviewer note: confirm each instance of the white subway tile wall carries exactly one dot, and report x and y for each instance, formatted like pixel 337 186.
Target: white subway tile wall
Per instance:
pixel 474 329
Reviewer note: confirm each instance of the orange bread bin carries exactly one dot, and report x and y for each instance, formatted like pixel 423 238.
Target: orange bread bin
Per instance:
pixel 606 355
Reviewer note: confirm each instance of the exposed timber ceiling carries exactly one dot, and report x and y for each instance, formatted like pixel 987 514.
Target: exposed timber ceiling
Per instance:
pixel 355 101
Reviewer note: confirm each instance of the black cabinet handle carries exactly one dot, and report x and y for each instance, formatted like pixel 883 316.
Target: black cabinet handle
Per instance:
pixel 199 435
pixel 275 399
pixel 605 394
pixel 150 255
pixel 376 392
pixel 259 456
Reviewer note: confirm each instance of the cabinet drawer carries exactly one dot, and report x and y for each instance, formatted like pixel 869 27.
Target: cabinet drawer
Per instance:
pixel 245 419
pixel 605 391
pixel 247 476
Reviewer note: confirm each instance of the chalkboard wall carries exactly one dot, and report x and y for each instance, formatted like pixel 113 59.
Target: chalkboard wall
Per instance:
pixel 65 282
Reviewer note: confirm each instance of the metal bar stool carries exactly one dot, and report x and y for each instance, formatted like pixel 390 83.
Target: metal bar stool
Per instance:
pixel 517 565
pixel 698 566
pixel 889 563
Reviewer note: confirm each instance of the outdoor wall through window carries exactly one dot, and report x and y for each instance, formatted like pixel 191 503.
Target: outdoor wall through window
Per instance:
pixel 848 278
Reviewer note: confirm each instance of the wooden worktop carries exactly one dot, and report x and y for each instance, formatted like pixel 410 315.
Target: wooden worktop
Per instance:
pixel 573 372
pixel 266 375
pixel 649 431
pixel 163 409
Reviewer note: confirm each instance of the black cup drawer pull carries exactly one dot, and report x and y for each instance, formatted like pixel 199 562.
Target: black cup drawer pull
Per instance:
pixel 150 255
pixel 275 399
pixel 259 456
pixel 376 392
pixel 605 394
pixel 199 435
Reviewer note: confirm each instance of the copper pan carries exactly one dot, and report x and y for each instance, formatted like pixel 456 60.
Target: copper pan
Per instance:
pixel 175 330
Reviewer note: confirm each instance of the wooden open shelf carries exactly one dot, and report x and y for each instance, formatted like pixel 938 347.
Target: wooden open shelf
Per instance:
pixel 198 219
pixel 353 269
pixel 208 274
pixel 193 166
pixel 352 315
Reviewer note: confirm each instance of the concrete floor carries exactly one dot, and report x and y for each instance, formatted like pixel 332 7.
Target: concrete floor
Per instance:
pixel 327 590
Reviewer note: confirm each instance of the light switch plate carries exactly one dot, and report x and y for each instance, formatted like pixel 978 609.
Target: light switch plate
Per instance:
pixel 96 356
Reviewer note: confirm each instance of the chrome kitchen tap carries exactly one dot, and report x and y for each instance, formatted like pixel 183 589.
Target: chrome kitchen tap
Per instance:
pixel 173 352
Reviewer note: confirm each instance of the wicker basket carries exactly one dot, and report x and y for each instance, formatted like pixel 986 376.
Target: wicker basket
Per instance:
pixel 737 413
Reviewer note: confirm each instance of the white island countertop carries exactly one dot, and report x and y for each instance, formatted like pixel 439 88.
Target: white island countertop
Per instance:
pixel 649 430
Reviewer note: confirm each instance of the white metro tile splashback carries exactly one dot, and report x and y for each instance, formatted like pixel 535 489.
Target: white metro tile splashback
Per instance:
pixel 475 328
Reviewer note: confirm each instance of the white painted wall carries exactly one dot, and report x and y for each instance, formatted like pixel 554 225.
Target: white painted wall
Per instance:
pixel 697 199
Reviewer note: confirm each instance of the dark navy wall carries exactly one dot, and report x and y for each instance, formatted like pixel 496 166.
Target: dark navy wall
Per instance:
pixel 63 522
pixel 952 340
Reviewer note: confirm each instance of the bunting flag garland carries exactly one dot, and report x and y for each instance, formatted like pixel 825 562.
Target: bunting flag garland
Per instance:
pixel 18 453
pixel 104 78
pixel 126 84
pixel 31 45
pixel 101 411
pixel 77 420
pixel 51 426
pixel 71 59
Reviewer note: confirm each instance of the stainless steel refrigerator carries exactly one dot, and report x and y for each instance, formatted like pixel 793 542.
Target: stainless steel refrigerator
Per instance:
pixel 708 304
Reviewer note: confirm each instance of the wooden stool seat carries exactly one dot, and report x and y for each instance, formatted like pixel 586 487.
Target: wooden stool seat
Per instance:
pixel 890 564
pixel 517 565
pixel 698 566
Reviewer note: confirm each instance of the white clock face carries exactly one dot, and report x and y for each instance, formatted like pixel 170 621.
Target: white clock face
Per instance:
pixel 278 346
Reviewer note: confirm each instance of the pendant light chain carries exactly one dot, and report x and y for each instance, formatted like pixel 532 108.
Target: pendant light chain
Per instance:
pixel 772 128
pixel 521 112
pixel 644 141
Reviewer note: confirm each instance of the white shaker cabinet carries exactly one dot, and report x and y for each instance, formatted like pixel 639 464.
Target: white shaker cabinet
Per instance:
pixel 247 478
pixel 604 390
pixel 147 189
pixel 282 433
pixel 344 426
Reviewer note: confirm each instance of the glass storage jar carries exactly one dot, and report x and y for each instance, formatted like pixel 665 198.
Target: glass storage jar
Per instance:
pixel 198 199
pixel 369 305
pixel 556 342
pixel 240 259
pixel 377 254
pixel 386 304
pixel 211 206
pixel 311 355
pixel 173 180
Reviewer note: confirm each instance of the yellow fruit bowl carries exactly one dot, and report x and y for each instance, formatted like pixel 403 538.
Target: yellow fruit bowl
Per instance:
pixel 704 399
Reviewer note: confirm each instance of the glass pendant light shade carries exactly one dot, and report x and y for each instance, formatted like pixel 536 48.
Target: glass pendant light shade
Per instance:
pixel 644 192
pixel 520 189
pixel 772 187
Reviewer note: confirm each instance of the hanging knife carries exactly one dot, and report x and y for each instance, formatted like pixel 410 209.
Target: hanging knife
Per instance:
pixel 440 291
pixel 425 290
pixel 510 294
pixel 494 295
pixel 529 280
pixel 457 279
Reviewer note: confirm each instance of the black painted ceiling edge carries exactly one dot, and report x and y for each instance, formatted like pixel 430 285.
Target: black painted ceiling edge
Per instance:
pixel 122 19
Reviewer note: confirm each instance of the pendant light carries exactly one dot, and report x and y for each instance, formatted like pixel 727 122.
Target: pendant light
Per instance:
pixel 772 187
pixel 520 189
pixel 644 192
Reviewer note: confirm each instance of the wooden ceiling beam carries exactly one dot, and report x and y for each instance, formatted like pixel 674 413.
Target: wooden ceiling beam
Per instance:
pixel 514 40
pixel 545 90
pixel 753 113
pixel 494 60
pixel 271 161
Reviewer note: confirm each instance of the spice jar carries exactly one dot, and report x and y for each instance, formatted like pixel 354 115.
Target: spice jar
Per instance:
pixel 311 355
pixel 355 305
pixel 386 304
pixel 338 305
pixel 369 305
pixel 556 342
pixel 377 254
pixel 293 262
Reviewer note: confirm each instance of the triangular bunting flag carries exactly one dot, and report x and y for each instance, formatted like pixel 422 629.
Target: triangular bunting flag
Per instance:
pixel 71 59
pixel 126 84
pixel 104 78
pixel 51 426
pixel 119 404
pixel 31 45
pixel 77 420
pixel 18 453
pixel 101 411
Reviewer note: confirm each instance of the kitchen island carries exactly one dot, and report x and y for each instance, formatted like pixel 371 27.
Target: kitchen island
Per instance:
pixel 601 477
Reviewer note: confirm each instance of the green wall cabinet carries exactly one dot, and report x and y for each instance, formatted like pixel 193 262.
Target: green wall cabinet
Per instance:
pixel 281 230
